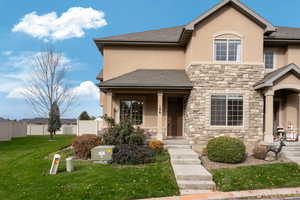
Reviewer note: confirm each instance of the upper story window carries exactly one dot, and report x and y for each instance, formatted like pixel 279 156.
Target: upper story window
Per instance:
pixel 228 50
pixel 269 59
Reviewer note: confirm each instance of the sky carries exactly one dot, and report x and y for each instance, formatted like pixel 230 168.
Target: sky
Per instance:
pixel 70 26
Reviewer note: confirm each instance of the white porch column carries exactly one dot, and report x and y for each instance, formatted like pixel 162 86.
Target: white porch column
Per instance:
pixel 269 99
pixel 160 116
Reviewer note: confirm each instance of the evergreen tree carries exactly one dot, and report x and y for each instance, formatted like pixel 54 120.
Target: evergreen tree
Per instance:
pixel 84 116
pixel 54 123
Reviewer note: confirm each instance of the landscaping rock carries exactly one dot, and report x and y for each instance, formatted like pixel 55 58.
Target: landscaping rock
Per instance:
pixel 271 156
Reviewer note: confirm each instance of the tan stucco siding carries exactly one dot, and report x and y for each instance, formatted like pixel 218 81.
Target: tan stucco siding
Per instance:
pixel 121 60
pixel 293 54
pixel 291 110
pixel 226 21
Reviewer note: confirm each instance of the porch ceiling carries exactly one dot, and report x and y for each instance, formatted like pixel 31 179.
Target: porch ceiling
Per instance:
pixel 271 78
pixel 150 79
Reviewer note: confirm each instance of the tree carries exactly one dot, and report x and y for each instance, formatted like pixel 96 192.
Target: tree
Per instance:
pixel 47 88
pixel 84 116
pixel 54 123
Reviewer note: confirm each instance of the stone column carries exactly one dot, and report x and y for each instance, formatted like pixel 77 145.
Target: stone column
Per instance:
pixel 108 110
pixel 269 99
pixel 160 135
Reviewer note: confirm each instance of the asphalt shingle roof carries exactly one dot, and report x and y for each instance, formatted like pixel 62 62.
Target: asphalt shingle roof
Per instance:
pixel 176 79
pixel 285 33
pixel 171 34
pixel 271 77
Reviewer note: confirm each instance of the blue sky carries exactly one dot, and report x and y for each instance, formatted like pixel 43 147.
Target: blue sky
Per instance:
pixel 20 39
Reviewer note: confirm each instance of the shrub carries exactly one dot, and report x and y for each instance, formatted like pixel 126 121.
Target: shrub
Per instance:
pixel 132 154
pixel 226 150
pixel 83 144
pixel 156 145
pixel 123 133
pixel 260 152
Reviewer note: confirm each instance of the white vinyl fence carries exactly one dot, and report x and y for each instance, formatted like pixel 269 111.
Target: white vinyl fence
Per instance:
pixel 35 129
pixel 89 127
pixel 12 129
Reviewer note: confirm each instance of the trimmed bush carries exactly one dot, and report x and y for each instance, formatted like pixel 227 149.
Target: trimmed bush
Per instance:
pixel 83 144
pixel 156 145
pixel 132 154
pixel 226 150
pixel 123 133
pixel 260 152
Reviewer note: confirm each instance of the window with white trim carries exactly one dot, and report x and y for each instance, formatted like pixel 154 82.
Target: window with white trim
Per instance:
pixel 132 111
pixel 269 59
pixel 227 50
pixel 226 110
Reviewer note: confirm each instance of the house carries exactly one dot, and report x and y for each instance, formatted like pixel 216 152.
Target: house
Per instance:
pixel 228 72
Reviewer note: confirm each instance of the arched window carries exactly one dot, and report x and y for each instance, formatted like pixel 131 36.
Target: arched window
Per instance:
pixel 227 47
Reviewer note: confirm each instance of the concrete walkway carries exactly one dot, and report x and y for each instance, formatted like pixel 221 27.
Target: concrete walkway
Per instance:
pixel 250 194
pixel 191 176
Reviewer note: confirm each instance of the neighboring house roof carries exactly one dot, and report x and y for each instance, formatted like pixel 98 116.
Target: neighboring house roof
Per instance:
pixel 3 119
pixel 271 77
pixel 154 79
pixel 100 76
pixel 45 121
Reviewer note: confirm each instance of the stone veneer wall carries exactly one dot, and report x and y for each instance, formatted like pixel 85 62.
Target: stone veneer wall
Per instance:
pixel 209 79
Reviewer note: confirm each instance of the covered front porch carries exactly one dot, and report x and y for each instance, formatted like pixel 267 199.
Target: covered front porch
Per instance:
pixel 151 99
pixel 281 90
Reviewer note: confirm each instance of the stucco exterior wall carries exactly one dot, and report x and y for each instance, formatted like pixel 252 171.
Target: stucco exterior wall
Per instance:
pixel 226 21
pixel 120 60
pixel 209 79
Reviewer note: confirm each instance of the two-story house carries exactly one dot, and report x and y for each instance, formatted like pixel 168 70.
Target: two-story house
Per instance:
pixel 228 72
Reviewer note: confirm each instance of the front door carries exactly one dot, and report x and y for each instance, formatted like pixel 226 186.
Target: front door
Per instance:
pixel 175 111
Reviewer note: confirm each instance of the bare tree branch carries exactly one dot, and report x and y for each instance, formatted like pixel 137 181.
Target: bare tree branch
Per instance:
pixel 48 84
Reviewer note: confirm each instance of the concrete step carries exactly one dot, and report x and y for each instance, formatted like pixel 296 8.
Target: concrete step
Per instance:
pixel 291 149
pixel 185 161
pixel 291 154
pixel 176 142
pixel 191 172
pixel 178 146
pixel 188 192
pixel 183 154
pixel 196 185
pixel 294 159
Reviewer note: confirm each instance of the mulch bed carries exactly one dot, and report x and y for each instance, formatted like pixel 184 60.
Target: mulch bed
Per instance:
pixel 250 160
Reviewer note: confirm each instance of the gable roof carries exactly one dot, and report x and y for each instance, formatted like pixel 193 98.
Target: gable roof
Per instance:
pixel 150 78
pixel 180 35
pixel 271 77
pixel 238 5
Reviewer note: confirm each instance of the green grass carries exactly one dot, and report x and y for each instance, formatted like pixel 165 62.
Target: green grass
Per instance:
pixel 24 174
pixel 257 177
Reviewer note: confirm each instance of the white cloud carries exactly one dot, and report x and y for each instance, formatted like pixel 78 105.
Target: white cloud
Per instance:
pixel 16 69
pixel 71 23
pixel 87 89
pixel 7 53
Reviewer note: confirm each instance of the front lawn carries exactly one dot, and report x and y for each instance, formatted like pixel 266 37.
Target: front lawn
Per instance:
pixel 24 174
pixel 257 177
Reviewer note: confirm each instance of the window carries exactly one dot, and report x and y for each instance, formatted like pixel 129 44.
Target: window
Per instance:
pixel 131 110
pixel 226 110
pixel 269 59
pixel 227 50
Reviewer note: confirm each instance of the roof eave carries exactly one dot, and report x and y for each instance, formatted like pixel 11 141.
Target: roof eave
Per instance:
pixel 143 87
